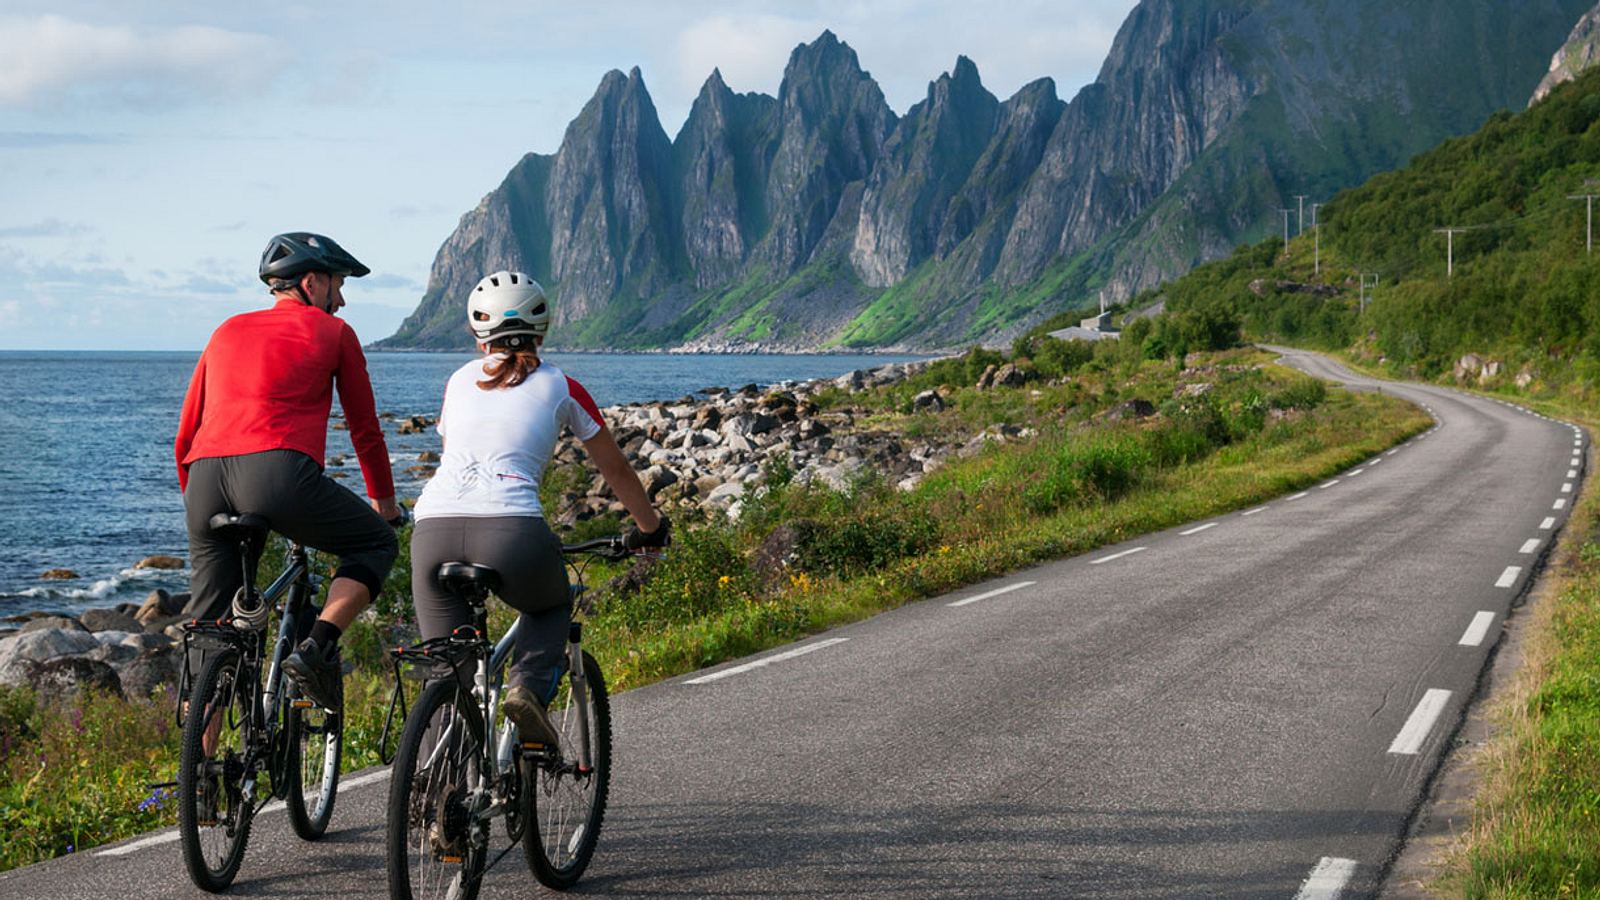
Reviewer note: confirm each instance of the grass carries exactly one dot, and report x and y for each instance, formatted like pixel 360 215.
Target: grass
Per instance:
pixel 74 772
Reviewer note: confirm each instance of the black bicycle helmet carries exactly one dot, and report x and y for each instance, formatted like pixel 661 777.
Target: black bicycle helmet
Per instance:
pixel 288 256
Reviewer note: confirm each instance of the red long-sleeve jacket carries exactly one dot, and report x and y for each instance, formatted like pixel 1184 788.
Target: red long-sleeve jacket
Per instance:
pixel 265 382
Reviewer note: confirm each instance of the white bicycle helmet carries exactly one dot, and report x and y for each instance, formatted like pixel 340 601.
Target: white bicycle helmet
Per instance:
pixel 507 304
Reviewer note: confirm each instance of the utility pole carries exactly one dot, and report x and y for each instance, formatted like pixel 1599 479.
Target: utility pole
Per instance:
pixel 1300 223
pixel 1365 284
pixel 1316 240
pixel 1286 230
pixel 1450 248
pixel 1589 230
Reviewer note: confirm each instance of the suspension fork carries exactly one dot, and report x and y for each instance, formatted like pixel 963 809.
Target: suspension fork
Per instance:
pixel 580 695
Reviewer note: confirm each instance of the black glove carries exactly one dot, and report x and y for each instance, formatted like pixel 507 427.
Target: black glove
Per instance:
pixel 635 539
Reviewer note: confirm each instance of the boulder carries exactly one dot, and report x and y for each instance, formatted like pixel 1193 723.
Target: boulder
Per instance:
pixel 1009 376
pixel 16 653
pixel 159 561
pixel 928 401
pixel 64 622
pixel 415 424
pixel 1489 371
pixel 1524 378
pixel 656 478
pixel 781 550
pixel 725 493
pixel 71 674
pixel 59 575
pixel 1131 409
pixel 158 605
pixel 1468 366
pixel 109 620
pixel 427 456
pixel 151 669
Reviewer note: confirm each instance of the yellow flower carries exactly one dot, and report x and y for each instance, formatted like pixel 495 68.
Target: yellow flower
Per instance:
pixel 944 548
pixel 724 581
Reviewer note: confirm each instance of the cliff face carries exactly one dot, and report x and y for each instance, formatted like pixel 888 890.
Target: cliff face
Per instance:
pixel 1579 53
pixel 818 217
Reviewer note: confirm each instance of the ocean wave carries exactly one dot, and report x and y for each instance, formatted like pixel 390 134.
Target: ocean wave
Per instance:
pixel 127 579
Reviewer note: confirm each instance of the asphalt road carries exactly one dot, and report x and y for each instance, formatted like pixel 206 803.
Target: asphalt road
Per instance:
pixel 1246 706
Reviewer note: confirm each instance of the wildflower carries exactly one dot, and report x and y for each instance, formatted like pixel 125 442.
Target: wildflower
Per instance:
pixel 724 581
pixel 943 549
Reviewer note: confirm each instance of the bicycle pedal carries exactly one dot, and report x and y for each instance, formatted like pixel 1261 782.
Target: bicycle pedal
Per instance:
pixel 301 704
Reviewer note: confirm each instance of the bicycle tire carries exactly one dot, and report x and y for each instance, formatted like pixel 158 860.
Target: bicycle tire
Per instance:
pixel 416 868
pixel 563 808
pixel 315 746
pixel 216 692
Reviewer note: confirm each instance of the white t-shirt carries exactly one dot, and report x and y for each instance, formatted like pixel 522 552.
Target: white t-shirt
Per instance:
pixel 497 443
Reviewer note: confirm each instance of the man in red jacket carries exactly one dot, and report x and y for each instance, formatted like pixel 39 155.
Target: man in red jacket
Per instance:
pixel 252 436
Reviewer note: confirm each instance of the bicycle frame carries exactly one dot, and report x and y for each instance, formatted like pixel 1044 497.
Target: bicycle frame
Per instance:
pixel 294 587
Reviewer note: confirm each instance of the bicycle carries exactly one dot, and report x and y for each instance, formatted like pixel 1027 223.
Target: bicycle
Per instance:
pixel 454 772
pixel 255 725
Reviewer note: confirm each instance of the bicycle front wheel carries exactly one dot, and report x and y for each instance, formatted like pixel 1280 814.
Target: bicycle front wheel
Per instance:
pixel 213 815
pixel 316 742
pixel 565 798
pixel 431 850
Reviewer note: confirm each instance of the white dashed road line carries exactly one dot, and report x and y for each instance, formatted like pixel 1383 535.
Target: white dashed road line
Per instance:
pixel 1328 485
pixel 1508 577
pixel 1357 472
pixel 1477 630
pixel 1328 879
pixel 994 593
pixel 1566 488
pixel 1561 503
pixel 1572 473
pixel 1197 529
pixel 1409 741
pixel 1529 545
pixel 1251 512
pixel 1548 523
pixel 1106 559
pixel 1298 496
pixel 788 654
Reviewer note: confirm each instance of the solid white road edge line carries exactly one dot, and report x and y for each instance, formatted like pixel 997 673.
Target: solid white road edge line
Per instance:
pixel 1197 529
pixel 1104 559
pixel 1328 879
pixel 1508 577
pixel 167 837
pixel 1409 741
pixel 1529 545
pixel 1548 523
pixel 994 593
pixel 1477 630
pixel 787 654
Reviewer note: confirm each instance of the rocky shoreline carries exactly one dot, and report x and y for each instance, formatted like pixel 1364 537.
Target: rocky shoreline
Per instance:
pixel 689 452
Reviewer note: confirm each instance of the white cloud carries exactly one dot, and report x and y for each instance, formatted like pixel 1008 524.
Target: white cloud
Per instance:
pixel 43 58
pixel 751 50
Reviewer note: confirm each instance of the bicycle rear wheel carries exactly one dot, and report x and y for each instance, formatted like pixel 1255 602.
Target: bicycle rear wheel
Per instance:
pixel 213 816
pixel 430 852
pixel 316 742
pixel 564 800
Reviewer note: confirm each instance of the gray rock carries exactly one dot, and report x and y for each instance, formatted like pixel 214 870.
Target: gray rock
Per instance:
pixel 17 653
pixel 109 620
pixel 656 478
pixel 725 493
pixel 148 671
pixel 1131 409
pixel 50 622
pixel 71 674
pixel 928 401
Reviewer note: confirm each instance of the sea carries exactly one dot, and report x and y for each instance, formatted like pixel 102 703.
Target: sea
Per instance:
pixel 88 481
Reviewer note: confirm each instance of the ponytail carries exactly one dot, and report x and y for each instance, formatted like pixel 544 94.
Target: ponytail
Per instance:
pixel 520 359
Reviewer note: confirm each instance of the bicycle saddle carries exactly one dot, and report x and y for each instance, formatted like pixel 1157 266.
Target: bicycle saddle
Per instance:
pixel 240 525
pixel 468 579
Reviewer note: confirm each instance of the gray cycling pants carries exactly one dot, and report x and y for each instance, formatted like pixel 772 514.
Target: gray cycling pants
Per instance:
pixel 533 581
pixel 289 489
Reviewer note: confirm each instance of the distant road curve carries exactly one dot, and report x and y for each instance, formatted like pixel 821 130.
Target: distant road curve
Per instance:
pixel 1245 706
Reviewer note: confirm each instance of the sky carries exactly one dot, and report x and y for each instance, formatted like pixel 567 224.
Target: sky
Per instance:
pixel 149 148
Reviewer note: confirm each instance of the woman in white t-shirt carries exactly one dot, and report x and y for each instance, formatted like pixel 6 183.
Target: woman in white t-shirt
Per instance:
pixel 502 416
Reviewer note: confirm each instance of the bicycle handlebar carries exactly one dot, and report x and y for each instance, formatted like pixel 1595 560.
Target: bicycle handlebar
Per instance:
pixel 609 547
